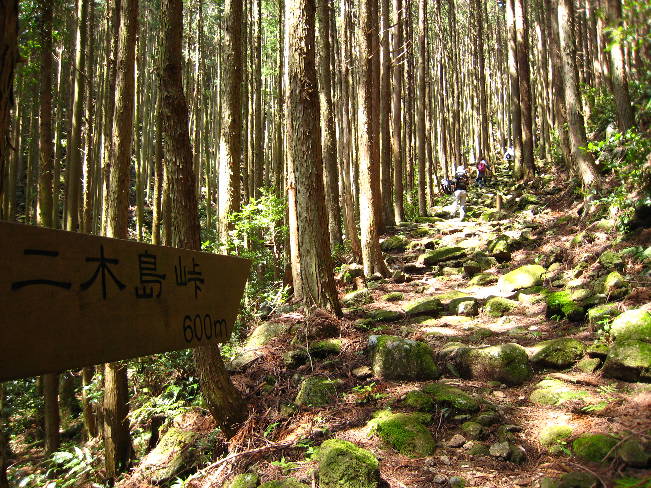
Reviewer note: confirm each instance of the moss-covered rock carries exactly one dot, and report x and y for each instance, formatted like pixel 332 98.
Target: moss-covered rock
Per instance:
pixel 471 268
pixel 349 272
pixel 467 308
pixel 405 432
pixel 286 483
pixel 395 296
pixel 264 333
pixel 402 359
pixel 316 391
pixel 357 298
pixel 424 306
pixel 448 396
pixel 555 392
pixel 342 464
pixel 380 315
pixel 325 348
pixel 170 456
pixel 442 254
pixel 482 279
pixel 245 480
pixel 632 452
pixel 557 353
pixel 420 401
pixel 552 437
pixel 611 260
pixel 507 363
pixel 473 430
pixel 396 243
pixel 561 304
pixel 498 306
pixel 487 418
pixel 522 277
pixel 603 313
pixel 578 479
pixel 632 325
pixel 615 286
pixel 588 365
pixel 629 361
pixel 594 447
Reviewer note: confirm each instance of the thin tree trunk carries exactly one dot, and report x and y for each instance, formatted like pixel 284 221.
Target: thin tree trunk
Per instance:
pixel 524 78
pixel 396 120
pixel 625 116
pixel 420 129
pixel 516 110
pixel 385 127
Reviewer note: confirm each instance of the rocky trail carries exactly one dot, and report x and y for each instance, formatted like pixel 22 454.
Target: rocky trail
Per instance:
pixel 512 349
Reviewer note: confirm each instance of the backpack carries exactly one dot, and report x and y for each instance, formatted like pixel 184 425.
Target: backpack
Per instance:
pixel 481 166
pixel 461 180
pixel 447 186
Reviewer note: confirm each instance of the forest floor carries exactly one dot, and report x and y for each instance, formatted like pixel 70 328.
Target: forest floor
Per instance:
pixel 279 438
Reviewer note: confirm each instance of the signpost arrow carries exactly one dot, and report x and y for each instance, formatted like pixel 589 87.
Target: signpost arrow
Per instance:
pixel 69 300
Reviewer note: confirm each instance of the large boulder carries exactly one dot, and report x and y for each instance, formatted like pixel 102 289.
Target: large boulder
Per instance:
pixel 554 392
pixel 424 306
pixel 594 447
pixel 603 313
pixel 316 391
pixel 357 298
pixel 629 361
pixel 436 396
pixel 171 456
pixel 442 254
pixel 342 464
pixel 396 358
pixel 394 244
pixel 563 304
pixel 407 433
pixel 557 353
pixel 506 363
pixel 632 325
pixel 498 306
pixel 522 277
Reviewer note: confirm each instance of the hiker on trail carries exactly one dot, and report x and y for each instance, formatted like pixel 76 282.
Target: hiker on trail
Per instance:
pixel 460 193
pixel 447 186
pixel 508 154
pixel 482 170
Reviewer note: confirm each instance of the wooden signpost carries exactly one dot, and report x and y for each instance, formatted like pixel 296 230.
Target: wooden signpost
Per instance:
pixel 69 300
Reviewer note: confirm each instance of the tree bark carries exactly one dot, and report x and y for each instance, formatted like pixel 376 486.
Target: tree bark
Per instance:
pixel 223 400
pixel 581 157
pixel 524 78
pixel 396 119
pixel 385 125
pixel 516 110
pixel 619 78
pixel 4 436
pixel 331 182
pixel 304 146
pixel 368 173
pixel 420 129
pixel 8 58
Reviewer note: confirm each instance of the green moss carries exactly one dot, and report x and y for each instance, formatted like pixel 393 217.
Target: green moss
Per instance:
pixel 394 244
pixel 316 391
pixel 588 365
pixel 610 260
pixel 171 454
pixel 245 480
pixel 380 315
pixel 395 296
pixel 263 333
pixel 406 433
pixel 522 277
pixel 442 254
pixel 578 479
pixel 419 401
pixel 557 353
pixel 482 279
pixel 448 396
pixel 498 306
pixel 561 304
pixel 603 313
pixel 507 363
pixel 325 347
pixel 424 306
pixel 342 464
pixel 472 430
pixel 286 483
pixel 594 447
pixel 396 358
pixel 553 435
pixel 479 449
pixel 632 325
pixel 629 361
pixel 554 392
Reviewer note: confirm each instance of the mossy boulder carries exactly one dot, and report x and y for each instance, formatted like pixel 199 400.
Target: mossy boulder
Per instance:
pixel 611 260
pixel 557 353
pixel 452 300
pixel 498 306
pixel 402 359
pixel 342 464
pixel 424 306
pixel 435 396
pixel 473 430
pixel 349 272
pixel 244 480
pixel 507 363
pixel 442 254
pixel 522 277
pixel 632 325
pixel 487 418
pixel 264 333
pixel 482 279
pixel 171 455
pixel 395 296
pixel 603 313
pixel 629 361
pixel 588 365
pixel 615 286
pixel 632 451
pixel 555 392
pixel 552 437
pixel 578 479
pixel 394 244
pixel 316 391
pixel 407 433
pixel 357 298
pixel 286 483
pixel 381 315
pixel 561 304
pixel 467 308
pixel 594 447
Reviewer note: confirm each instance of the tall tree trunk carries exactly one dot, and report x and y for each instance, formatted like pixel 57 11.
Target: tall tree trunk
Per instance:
pixel 333 206
pixel 581 157
pixel 117 443
pixel 524 78
pixel 396 119
pixel 75 146
pixel 625 117
pixel 483 102
pixel 516 110
pixel 230 152
pixel 8 58
pixel 420 129
pixel 304 146
pixel 385 111
pixel 368 172
pixel 224 402
pixel 258 153
pixel 4 432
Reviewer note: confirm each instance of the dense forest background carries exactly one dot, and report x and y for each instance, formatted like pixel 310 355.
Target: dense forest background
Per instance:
pixel 294 133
